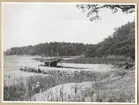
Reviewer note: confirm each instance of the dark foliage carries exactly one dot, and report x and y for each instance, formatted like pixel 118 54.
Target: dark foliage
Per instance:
pixel 49 49
pixel 93 10
pixel 121 42
pixel 13 93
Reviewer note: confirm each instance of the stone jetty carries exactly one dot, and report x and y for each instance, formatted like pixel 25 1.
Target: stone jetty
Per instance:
pixel 29 69
pixel 49 70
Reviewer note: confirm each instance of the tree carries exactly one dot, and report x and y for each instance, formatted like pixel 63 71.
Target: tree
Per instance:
pixel 90 51
pixel 93 9
pixel 121 43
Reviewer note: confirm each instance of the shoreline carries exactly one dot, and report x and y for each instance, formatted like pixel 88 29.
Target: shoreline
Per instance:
pixel 49 80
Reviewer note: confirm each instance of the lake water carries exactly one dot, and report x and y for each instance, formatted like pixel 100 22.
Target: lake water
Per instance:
pixel 12 64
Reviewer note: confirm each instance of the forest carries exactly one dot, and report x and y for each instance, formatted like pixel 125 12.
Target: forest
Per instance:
pixel 121 43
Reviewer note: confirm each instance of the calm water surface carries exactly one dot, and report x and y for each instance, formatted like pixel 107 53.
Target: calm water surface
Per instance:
pixel 12 64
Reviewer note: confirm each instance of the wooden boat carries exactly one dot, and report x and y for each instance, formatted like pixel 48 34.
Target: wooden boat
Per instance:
pixel 51 62
pixel 47 62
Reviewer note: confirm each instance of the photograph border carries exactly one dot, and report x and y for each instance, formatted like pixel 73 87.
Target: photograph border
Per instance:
pixel 136 55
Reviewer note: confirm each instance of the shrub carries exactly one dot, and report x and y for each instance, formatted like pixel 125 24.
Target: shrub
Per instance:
pixel 13 93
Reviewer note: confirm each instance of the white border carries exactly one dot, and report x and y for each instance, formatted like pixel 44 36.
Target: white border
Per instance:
pixel 2 56
pixel 2 62
pixel 67 3
pixel 136 51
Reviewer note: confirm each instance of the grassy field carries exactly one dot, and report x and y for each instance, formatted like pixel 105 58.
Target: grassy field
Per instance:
pixel 117 85
pixel 109 82
pixel 117 61
pixel 114 86
pixel 88 60
pixel 99 91
pixel 48 82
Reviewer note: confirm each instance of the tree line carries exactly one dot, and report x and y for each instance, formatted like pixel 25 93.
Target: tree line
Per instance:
pixel 49 49
pixel 121 42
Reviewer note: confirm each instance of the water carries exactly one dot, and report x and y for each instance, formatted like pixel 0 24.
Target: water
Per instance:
pixel 12 65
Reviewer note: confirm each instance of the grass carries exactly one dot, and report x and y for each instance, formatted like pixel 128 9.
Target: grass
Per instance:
pixel 24 91
pixel 100 91
pixel 95 60
pixel 104 83
pixel 53 80
pixel 117 61
pixel 14 93
pixel 91 60
pixel 46 82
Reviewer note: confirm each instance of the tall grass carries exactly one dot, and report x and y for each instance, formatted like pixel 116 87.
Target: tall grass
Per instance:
pixel 15 92
pixel 24 89
pixel 95 60
pixel 98 92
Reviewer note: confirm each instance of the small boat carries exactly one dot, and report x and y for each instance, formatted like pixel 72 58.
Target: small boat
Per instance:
pixel 47 63
pixel 52 62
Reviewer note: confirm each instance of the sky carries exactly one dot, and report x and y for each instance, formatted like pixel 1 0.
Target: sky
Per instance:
pixel 33 23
